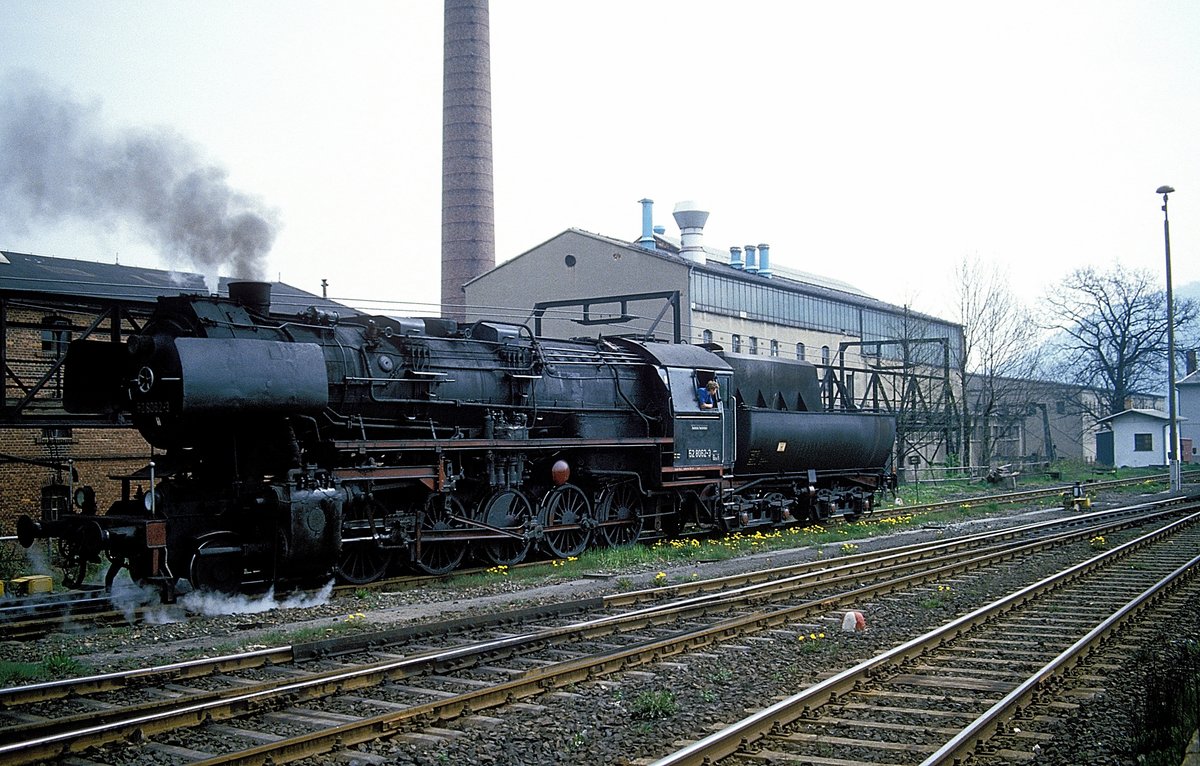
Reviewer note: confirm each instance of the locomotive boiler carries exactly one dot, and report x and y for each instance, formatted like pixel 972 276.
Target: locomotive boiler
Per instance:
pixel 296 448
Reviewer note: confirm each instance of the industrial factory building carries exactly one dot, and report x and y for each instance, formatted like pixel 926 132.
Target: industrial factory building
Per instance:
pixel 735 298
pixel 872 354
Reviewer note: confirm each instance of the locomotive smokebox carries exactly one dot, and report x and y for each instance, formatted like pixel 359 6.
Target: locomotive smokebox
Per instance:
pixel 255 296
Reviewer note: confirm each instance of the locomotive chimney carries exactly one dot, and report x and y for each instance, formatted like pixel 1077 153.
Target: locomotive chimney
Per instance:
pixel 691 219
pixel 255 296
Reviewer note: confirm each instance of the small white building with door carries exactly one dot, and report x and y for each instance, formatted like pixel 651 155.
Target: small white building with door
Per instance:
pixel 1133 439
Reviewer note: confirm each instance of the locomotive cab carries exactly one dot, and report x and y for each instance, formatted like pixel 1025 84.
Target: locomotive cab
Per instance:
pixel 704 438
pixel 703 435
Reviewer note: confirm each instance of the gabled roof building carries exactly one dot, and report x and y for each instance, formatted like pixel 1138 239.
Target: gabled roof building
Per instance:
pixel 871 352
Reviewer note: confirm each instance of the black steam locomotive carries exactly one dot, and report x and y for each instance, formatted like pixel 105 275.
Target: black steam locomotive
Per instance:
pixel 295 448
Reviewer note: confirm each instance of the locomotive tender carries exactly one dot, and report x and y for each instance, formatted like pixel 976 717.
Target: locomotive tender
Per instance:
pixel 296 448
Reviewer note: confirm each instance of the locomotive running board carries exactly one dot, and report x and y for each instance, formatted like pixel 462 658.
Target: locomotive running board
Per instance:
pixel 401 445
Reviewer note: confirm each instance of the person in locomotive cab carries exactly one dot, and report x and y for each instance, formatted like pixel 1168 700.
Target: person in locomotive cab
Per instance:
pixel 709 395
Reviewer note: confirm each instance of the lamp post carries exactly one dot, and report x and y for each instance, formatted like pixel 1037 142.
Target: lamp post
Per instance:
pixel 1173 454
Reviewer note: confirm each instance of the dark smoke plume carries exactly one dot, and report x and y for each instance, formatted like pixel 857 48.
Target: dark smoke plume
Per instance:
pixel 57 162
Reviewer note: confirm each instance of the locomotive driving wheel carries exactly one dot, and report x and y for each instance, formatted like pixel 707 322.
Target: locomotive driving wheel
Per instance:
pixel 567 517
pixel 217 563
pixel 440 518
pixel 362 560
pixel 508 510
pixel 620 515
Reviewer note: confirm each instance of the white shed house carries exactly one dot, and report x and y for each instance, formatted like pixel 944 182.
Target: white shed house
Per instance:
pixel 1133 439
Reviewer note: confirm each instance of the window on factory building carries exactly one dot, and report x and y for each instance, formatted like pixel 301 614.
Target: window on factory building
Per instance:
pixel 737 343
pixel 817 308
pixel 825 355
pixel 753 345
pixel 706 336
pixel 56 434
pixel 56 334
pixel 800 351
pixel 774 348
pixel 1143 442
pixel 1060 407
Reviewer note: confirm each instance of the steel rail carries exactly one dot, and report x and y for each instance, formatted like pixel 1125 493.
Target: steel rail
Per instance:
pixel 730 740
pixel 982 728
pixel 156 716
pixel 540 680
pixel 1027 494
pixel 176 671
pixel 1094 517
pixel 828 572
pixel 222 705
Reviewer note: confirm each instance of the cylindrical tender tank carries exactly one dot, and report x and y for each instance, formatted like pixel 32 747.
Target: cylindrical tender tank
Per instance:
pixel 772 441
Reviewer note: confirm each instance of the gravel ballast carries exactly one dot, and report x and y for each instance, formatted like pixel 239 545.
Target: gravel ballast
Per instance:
pixel 641 715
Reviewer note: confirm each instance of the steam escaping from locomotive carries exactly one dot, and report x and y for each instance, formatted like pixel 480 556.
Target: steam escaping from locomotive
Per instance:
pixel 59 162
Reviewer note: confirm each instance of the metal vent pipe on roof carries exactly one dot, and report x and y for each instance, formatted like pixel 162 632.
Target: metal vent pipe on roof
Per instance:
pixel 691 219
pixel 751 261
pixel 646 241
pixel 735 258
pixel 764 260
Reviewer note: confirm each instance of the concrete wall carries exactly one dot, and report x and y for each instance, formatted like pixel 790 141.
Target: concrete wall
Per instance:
pixel 576 265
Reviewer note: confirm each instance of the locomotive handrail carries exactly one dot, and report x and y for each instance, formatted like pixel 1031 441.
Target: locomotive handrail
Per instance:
pixel 429 379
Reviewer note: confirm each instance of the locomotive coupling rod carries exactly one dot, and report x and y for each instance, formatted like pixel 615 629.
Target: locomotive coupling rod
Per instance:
pixel 490 528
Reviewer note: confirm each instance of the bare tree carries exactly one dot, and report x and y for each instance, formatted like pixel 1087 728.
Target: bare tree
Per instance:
pixel 1113 332
pixel 998 359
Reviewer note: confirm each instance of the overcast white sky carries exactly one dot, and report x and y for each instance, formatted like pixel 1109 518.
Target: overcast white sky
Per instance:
pixel 874 142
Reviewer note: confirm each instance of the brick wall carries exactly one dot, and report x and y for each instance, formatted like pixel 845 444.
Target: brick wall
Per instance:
pixel 96 452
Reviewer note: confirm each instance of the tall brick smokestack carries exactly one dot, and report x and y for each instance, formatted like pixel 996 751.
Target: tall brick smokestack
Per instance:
pixel 468 211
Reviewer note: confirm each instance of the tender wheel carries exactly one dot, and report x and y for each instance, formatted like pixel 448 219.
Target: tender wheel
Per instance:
pixel 362 560
pixel 620 513
pixel 567 517
pixel 440 545
pixel 510 510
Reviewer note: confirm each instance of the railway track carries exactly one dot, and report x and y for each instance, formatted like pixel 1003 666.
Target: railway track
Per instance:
pixel 938 697
pixel 200 711
pixel 30 618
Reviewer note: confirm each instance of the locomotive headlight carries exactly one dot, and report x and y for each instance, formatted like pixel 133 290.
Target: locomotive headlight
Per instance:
pixel 84 497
